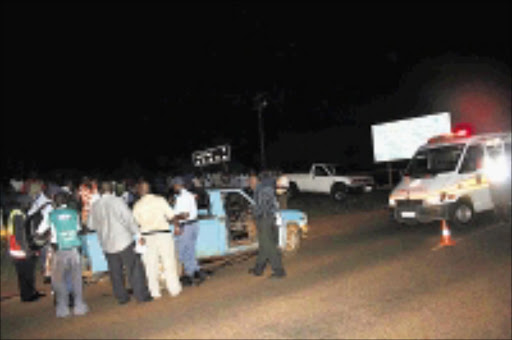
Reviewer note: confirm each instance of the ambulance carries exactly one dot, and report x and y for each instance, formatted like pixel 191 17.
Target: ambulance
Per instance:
pixel 452 177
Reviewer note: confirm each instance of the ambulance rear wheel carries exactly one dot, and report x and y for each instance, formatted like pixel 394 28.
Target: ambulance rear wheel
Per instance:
pixel 463 214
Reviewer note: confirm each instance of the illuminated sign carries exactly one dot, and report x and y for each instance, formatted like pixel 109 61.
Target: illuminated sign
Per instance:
pixel 400 139
pixel 216 155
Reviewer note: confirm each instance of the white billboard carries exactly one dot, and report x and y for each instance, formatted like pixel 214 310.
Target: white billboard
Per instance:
pixel 400 139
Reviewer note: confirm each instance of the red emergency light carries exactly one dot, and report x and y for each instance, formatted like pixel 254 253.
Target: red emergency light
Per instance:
pixel 463 130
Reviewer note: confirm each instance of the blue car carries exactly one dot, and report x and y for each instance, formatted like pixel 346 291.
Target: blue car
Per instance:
pixel 226 227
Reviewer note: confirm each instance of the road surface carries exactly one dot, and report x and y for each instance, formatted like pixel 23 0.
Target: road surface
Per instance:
pixel 357 276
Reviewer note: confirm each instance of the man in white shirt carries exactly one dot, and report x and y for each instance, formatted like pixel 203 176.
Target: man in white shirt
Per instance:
pixel 153 213
pixel 187 230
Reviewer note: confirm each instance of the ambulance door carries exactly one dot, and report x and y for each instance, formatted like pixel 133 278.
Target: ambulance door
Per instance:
pixel 473 183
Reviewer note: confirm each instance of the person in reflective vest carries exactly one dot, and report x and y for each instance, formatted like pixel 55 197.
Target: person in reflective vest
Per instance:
pixel 23 258
pixel 64 224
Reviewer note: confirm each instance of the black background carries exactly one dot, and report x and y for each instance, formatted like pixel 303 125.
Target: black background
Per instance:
pixel 101 86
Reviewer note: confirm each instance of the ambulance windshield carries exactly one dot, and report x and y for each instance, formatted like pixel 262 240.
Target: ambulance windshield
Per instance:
pixel 432 161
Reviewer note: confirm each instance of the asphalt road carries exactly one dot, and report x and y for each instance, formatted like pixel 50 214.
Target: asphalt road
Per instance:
pixel 357 276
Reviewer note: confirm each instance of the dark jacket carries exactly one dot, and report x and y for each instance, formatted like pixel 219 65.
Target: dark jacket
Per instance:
pixel 20 233
pixel 265 199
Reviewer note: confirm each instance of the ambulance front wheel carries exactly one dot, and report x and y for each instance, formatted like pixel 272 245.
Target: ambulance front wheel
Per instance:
pixel 462 213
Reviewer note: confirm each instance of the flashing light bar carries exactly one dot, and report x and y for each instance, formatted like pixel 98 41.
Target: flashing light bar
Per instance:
pixel 461 133
pixel 446 137
pixel 463 130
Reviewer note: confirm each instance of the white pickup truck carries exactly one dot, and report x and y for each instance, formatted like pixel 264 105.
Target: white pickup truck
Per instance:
pixel 327 179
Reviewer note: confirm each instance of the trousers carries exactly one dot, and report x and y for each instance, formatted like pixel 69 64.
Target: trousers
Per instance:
pixel 187 247
pixel 25 270
pixel 66 265
pixel 268 250
pixel 42 258
pixel 160 247
pixel 131 261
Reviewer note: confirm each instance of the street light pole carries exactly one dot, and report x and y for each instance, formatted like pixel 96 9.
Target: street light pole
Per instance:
pixel 261 105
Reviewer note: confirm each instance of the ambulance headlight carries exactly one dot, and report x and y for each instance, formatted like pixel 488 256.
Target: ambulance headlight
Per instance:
pixel 496 170
pixel 392 202
pixel 432 199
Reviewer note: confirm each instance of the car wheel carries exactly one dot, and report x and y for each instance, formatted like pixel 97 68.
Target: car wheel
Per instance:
pixel 293 239
pixel 463 214
pixel 293 190
pixel 339 192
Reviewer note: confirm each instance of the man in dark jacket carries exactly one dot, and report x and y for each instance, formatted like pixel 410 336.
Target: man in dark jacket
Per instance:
pixel 264 213
pixel 23 257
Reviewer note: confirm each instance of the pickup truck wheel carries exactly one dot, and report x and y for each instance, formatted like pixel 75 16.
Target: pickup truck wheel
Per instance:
pixel 339 192
pixel 293 190
pixel 293 239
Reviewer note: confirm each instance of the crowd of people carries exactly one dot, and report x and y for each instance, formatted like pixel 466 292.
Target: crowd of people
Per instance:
pixel 132 220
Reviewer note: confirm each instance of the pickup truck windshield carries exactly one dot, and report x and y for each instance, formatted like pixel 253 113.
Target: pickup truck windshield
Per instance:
pixel 432 161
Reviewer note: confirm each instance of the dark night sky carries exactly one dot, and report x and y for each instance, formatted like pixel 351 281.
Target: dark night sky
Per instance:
pixel 91 85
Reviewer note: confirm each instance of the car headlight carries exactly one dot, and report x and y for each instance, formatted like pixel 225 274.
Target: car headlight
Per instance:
pixel 392 202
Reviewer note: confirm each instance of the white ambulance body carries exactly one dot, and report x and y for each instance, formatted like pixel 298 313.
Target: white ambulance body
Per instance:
pixel 449 178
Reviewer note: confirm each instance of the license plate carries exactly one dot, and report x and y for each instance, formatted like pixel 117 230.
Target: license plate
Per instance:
pixel 408 214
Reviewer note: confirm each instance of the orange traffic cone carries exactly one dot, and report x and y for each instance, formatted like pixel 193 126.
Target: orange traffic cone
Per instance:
pixel 446 237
